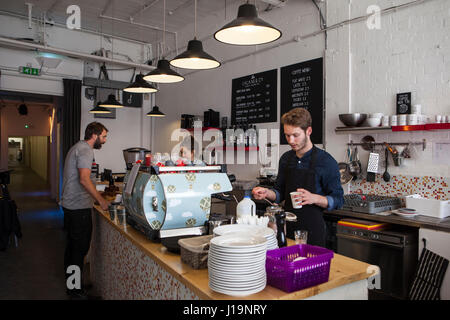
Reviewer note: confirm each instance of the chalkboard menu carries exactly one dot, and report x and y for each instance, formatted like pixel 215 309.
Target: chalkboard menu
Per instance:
pixel 254 98
pixel 404 103
pixel 302 87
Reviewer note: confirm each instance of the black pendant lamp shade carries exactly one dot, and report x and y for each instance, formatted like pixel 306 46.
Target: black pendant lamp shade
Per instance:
pixel 195 58
pixel 163 74
pixel 155 113
pixel 140 86
pixel 111 102
pixel 98 109
pixel 247 29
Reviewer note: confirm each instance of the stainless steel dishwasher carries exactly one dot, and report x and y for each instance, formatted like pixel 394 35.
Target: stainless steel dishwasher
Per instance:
pixel 394 250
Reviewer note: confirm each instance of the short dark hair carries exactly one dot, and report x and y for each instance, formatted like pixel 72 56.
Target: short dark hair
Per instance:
pixel 94 128
pixel 298 117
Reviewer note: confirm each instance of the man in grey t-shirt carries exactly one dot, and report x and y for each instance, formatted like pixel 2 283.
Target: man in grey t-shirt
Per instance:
pixel 78 195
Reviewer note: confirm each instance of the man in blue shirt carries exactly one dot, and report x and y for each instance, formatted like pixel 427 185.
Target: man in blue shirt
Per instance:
pixel 313 172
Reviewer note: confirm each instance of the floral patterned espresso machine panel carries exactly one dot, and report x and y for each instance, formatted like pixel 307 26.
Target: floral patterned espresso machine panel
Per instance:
pixel 167 202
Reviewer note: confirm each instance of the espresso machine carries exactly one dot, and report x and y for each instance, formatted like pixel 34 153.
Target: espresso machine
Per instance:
pixel 168 203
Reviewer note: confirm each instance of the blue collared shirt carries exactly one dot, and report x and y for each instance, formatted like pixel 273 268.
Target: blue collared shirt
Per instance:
pixel 328 178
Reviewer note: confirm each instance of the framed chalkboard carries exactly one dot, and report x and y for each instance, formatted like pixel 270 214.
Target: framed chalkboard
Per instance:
pixel 404 103
pixel 254 98
pixel 302 87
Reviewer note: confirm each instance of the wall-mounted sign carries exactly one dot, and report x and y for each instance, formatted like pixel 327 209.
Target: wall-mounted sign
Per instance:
pixel 254 98
pixel 29 70
pixel 404 103
pixel 302 87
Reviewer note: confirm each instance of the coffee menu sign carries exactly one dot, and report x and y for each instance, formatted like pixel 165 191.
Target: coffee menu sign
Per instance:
pixel 254 98
pixel 302 87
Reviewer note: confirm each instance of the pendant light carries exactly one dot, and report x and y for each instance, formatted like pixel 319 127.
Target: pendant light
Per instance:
pixel 247 29
pixel 194 57
pixel 155 112
pixel 163 73
pixel 111 102
pixel 140 86
pixel 98 109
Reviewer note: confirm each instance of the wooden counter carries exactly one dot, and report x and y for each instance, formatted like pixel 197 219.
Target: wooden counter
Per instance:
pixel 343 270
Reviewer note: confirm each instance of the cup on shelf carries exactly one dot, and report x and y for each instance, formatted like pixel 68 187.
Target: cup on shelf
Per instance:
pixel 296 200
pixel 301 236
pixel 385 121
pixel 393 120
pixel 402 120
pixel 438 118
pixel 412 119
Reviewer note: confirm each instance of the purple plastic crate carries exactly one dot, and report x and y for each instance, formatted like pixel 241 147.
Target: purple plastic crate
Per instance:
pixel 290 276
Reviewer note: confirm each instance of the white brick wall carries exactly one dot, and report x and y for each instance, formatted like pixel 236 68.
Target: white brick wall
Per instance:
pixel 410 53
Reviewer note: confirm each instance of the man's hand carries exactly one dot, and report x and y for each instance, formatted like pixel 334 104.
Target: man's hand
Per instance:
pixel 259 193
pixel 104 204
pixel 311 198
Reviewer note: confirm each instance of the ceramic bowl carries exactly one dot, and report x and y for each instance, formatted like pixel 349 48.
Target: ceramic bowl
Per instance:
pixel 373 122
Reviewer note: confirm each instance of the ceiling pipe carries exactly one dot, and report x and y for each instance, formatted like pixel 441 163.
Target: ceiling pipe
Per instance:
pixel 16 15
pixel 135 23
pixel 6 42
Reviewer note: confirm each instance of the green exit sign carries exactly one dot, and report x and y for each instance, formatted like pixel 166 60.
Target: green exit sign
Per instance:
pixel 29 70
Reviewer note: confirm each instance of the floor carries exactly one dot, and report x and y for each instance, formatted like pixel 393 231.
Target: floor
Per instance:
pixel 34 269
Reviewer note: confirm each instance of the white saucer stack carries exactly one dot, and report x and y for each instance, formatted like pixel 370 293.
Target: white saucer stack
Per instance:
pixel 254 230
pixel 237 264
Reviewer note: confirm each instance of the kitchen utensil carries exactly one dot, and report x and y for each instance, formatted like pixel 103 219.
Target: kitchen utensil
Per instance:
pixel 346 175
pixel 372 166
pixel 352 119
pixel 355 165
pixel 367 143
pixel 386 175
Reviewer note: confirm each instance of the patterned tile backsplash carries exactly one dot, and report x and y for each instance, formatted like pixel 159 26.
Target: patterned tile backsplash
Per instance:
pixel 399 185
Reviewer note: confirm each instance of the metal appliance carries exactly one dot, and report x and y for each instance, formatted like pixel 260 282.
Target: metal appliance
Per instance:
pixel 172 202
pixel 369 203
pixel 395 251
pixel 131 155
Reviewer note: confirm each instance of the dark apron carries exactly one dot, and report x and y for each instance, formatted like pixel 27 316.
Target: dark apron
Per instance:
pixel 309 217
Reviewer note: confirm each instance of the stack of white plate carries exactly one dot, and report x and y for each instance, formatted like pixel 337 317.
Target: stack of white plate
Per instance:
pixel 237 264
pixel 247 229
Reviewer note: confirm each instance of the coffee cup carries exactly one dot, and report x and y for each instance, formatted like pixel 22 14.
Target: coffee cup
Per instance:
pixel 402 120
pixel 393 120
pixel 412 119
pixel 296 198
pixel 438 118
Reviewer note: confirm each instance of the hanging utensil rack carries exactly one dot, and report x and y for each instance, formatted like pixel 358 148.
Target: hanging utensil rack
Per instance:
pixel 423 143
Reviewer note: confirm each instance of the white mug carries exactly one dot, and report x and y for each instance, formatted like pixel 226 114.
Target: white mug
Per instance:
pixel 385 121
pixel 402 120
pixel 412 119
pixel 393 120
pixel 438 118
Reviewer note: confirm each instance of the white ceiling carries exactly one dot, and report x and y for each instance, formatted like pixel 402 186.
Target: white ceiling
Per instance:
pixel 179 14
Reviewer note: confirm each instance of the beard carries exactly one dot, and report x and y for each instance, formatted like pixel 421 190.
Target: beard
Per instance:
pixel 97 144
pixel 302 144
